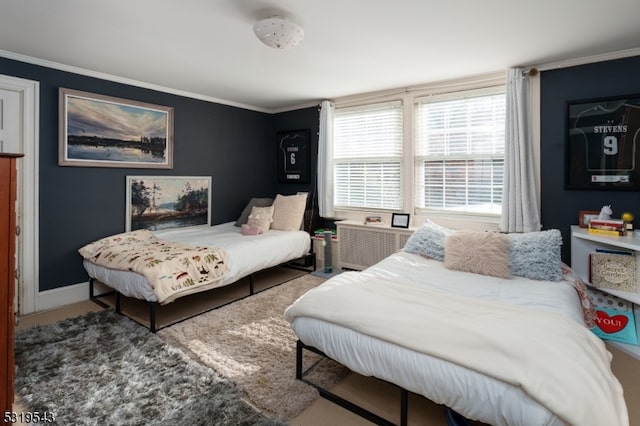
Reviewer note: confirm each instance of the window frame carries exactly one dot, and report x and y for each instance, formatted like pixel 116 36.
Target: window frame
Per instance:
pixel 408 97
pixel 395 103
pixel 466 94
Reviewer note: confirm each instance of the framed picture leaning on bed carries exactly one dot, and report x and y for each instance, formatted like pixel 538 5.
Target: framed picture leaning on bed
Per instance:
pixel 162 202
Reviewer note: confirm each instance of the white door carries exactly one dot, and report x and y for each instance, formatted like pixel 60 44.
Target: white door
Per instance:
pixel 10 121
pixel 11 141
pixel 19 100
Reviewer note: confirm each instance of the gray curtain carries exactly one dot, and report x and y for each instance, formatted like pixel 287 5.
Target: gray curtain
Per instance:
pixel 325 161
pixel 520 208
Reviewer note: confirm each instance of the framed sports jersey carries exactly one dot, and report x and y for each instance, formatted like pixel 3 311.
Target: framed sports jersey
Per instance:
pixel 602 144
pixel 293 156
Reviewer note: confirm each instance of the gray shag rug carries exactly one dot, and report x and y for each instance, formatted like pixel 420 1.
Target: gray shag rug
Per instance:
pixel 104 369
pixel 250 343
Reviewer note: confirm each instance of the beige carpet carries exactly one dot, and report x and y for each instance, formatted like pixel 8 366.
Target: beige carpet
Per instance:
pixel 250 343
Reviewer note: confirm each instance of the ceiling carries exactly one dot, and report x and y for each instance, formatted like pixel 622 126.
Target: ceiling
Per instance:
pixel 207 48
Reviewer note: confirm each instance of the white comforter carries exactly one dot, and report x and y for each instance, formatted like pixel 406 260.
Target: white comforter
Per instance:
pixel 246 254
pixel 544 352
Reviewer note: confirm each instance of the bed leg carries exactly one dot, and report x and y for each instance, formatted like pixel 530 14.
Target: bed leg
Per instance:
pixel 298 360
pixel 90 288
pixel 117 307
pixel 330 396
pixel 251 284
pixel 152 317
pixel 404 402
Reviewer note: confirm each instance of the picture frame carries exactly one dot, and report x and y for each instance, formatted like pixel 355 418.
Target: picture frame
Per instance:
pixel 164 202
pixel 294 156
pixel 601 151
pixel 103 131
pixel 584 216
pixel 400 220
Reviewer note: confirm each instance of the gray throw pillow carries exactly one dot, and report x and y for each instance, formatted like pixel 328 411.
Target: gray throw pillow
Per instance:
pixel 536 255
pixel 428 241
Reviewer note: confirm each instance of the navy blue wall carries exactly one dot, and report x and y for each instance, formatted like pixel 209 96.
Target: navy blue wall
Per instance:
pixel 560 207
pixel 80 204
pixel 237 147
pixel 307 118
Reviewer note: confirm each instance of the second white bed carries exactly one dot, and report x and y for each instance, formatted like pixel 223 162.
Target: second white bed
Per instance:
pixel 466 391
pixel 246 254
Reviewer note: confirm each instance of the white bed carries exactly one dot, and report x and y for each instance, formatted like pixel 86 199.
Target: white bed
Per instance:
pixel 246 254
pixel 476 395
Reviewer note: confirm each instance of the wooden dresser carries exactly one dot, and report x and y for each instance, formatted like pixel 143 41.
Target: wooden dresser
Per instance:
pixel 8 182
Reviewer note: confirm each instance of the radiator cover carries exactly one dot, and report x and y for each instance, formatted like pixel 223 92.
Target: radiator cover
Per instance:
pixel 364 245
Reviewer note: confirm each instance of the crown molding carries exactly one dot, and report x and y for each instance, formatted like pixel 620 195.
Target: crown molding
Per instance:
pixel 621 54
pixel 118 79
pixel 123 80
pixel 309 104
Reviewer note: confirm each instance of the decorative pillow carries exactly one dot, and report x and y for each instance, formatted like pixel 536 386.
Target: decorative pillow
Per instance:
pixel 261 217
pixel 428 241
pixel 537 255
pixel 308 213
pixel 485 253
pixel 254 202
pixel 288 212
pixel 249 230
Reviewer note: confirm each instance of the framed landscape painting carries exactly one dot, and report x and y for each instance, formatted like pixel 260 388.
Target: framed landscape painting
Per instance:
pixel 164 202
pixel 103 131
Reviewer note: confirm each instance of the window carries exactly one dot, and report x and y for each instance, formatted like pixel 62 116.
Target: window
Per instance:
pixel 459 149
pixel 368 156
pixel 432 150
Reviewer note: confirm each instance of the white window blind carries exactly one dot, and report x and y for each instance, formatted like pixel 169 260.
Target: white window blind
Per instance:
pixel 459 161
pixel 368 156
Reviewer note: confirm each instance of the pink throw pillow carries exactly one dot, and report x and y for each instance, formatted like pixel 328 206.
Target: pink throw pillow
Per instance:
pixel 249 229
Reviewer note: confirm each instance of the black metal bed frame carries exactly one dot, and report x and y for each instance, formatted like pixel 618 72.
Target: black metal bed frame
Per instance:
pixel 308 259
pixel 356 409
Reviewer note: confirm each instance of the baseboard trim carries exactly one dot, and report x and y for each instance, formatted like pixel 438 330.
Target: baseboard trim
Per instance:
pixel 58 297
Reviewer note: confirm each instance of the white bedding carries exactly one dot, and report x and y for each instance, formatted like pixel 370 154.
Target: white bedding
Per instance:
pixel 246 254
pixel 468 392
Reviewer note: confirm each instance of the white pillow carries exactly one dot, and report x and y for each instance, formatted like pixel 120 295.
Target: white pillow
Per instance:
pixel 261 217
pixel 288 212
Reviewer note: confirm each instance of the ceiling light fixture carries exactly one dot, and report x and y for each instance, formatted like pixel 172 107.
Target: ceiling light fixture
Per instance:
pixel 278 32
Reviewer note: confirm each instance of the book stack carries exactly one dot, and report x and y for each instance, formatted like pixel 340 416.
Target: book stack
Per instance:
pixel 318 234
pixel 377 220
pixel 614 227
